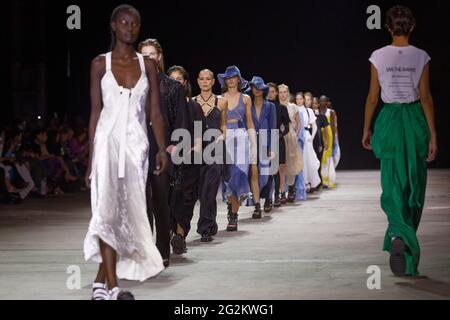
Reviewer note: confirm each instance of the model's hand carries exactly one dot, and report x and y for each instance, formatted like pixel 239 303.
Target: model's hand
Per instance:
pixel 220 138
pixel 432 149
pixel 87 180
pixel 171 149
pixel 367 140
pixel 161 162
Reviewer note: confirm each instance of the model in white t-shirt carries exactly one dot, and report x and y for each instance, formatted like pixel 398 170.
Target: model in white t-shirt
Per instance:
pixel 404 137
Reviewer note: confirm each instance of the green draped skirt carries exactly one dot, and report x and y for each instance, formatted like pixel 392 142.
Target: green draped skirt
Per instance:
pixel 401 138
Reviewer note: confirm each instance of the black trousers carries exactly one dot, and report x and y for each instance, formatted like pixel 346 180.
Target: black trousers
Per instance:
pixel 210 179
pixel 183 199
pixel 158 192
pixel 319 155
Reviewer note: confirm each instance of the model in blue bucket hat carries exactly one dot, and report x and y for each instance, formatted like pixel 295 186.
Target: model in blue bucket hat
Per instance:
pixel 259 84
pixel 264 119
pixel 230 72
pixel 241 145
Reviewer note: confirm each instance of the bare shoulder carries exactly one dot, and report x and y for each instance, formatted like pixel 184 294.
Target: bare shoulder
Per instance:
pixel 221 99
pixel 98 64
pixel 247 98
pixel 222 102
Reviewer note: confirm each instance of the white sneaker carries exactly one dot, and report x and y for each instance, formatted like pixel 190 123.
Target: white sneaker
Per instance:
pixel 99 291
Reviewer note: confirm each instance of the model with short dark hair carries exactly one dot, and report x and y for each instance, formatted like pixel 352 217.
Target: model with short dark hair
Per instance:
pixel 404 137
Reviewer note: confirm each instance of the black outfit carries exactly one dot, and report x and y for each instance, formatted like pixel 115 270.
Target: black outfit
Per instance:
pixel 185 194
pixel 210 179
pixel 173 106
pixel 318 143
pixel 200 182
pixel 283 122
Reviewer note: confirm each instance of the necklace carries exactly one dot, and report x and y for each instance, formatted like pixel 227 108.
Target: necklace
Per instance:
pixel 205 102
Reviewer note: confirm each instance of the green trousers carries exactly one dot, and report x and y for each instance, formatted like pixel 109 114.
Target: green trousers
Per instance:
pixel 401 138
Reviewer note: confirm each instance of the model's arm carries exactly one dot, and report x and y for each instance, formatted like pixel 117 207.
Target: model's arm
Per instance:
pixel 299 124
pixel 428 109
pixel 314 129
pixel 97 71
pixel 286 120
pixel 223 106
pixel 371 104
pixel 333 122
pixel 251 129
pixel 198 141
pixel 272 126
pixel 325 138
pixel 156 118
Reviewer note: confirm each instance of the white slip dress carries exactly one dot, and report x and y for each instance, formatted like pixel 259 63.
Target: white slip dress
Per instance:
pixel 118 180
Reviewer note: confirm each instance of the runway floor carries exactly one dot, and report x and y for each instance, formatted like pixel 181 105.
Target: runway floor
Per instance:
pixel 318 249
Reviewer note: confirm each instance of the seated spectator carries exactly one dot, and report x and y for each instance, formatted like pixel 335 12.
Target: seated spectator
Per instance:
pixel 16 168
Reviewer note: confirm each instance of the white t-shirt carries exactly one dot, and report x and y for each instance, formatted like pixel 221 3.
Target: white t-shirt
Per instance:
pixel 399 71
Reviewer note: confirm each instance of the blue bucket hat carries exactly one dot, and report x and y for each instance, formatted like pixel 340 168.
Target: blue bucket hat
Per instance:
pixel 230 72
pixel 259 84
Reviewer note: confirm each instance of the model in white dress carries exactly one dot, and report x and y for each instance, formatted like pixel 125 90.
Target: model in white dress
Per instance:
pixel 118 180
pixel 311 163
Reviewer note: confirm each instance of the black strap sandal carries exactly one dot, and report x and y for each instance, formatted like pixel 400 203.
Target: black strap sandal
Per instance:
pixel 291 194
pixel 232 222
pixel 257 214
pixel 283 198
pixel 268 205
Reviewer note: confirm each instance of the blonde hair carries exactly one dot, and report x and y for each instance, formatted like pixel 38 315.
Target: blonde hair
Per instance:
pixel 154 43
pixel 206 70
pixel 283 86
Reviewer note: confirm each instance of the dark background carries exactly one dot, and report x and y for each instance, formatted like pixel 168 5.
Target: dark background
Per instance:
pixel 318 46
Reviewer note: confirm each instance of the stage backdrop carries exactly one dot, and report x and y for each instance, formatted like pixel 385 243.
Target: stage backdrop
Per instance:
pixel 317 46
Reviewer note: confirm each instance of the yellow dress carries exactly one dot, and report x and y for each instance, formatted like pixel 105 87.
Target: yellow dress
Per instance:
pixel 328 171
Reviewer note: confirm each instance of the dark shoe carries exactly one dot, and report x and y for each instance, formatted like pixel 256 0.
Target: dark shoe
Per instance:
pixel 257 214
pixel 397 260
pixel 14 198
pixel 206 237
pixel 232 222
pixel 214 229
pixel 117 294
pixel 291 194
pixel 166 262
pixel 178 244
pixel 268 205
pixel 125 295
pixel 277 202
pixel 283 198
